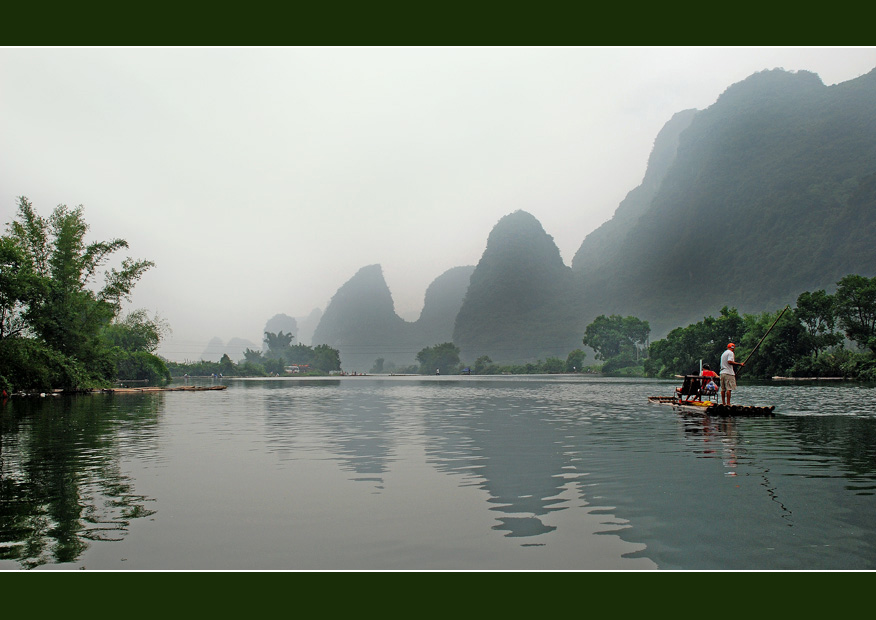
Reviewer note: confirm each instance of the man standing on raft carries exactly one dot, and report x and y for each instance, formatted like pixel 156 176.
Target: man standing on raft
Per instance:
pixel 728 375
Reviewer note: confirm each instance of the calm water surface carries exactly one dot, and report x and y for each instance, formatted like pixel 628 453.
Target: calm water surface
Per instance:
pixel 433 473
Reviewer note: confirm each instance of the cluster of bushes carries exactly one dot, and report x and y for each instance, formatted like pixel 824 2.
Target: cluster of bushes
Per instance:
pixel 279 355
pixel 574 363
pixel 444 359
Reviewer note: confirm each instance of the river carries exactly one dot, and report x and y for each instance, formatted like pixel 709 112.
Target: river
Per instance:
pixel 438 473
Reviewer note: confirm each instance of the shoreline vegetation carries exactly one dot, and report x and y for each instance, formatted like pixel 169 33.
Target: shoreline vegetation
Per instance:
pixel 119 390
pixel 62 331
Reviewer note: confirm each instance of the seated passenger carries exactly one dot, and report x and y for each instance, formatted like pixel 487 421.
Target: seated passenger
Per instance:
pixel 709 384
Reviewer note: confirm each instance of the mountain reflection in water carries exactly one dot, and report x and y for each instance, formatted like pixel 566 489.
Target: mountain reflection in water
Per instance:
pixel 550 472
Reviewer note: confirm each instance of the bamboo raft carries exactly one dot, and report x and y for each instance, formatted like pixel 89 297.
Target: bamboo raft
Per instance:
pixel 179 388
pixel 712 408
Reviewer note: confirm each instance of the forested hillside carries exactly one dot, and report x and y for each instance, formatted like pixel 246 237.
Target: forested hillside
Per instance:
pixel 599 253
pixel 518 305
pixel 771 192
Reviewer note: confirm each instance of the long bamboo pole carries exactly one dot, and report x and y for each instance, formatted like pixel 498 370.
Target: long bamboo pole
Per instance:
pixel 766 334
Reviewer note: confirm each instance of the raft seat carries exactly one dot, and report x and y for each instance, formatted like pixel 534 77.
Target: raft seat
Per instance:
pixel 692 389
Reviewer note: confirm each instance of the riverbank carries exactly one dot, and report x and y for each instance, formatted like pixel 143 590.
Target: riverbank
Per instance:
pixel 120 390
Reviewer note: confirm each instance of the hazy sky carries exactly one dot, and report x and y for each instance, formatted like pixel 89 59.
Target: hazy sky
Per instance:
pixel 259 180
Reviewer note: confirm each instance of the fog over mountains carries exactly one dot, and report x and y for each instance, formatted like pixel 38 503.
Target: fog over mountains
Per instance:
pixel 769 192
pixel 360 320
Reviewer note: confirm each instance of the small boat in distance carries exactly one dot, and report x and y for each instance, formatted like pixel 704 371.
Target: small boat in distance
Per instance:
pixel 692 397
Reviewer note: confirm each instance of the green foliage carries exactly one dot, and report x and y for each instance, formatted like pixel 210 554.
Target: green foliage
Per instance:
pixel 226 366
pixel 621 364
pixel 615 335
pixel 278 344
pixel 621 342
pixel 251 369
pixel 253 357
pixel 141 366
pixel 855 302
pixel 300 354
pixel 136 332
pixel 441 358
pixel 321 359
pixel 281 352
pixel 816 313
pixel 836 362
pixel 785 343
pixel 481 365
pixel 57 324
pixel 575 361
pixel 28 364
pixel 19 288
pixel 202 368
pixel 801 343
pixel 71 315
pixel 553 366
pixel 860 367
pixel 326 359
pixel 683 348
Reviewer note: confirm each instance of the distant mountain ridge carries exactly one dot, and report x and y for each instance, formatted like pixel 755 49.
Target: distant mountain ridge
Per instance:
pixel 769 192
pixel 600 248
pixel 360 320
pixel 441 305
pixel 514 302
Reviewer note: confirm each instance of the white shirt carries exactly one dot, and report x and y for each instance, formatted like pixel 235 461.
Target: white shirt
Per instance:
pixel 726 358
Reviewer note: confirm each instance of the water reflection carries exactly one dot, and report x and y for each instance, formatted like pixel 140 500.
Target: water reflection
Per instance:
pixel 721 440
pixel 345 473
pixel 466 428
pixel 359 432
pixel 817 445
pixel 789 492
pixel 504 444
pixel 353 422
pixel 61 484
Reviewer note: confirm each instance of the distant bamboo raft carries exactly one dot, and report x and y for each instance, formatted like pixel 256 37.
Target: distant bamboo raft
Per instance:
pixel 808 378
pixel 179 388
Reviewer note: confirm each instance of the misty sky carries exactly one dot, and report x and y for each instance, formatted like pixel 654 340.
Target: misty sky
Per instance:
pixel 259 180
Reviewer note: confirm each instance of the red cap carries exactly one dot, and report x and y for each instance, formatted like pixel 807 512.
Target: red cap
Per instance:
pixel 731 346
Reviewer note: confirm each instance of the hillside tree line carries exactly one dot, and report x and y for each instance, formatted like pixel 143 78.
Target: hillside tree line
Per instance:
pixel 279 354
pixel 823 336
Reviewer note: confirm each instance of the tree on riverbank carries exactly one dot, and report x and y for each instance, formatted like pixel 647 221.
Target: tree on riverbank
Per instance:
pixel 441 358
pixel 59 325
pixel 621 342
pixel 825 336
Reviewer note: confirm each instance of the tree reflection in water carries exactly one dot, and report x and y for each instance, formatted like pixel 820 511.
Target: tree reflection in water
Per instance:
pixel 61 483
